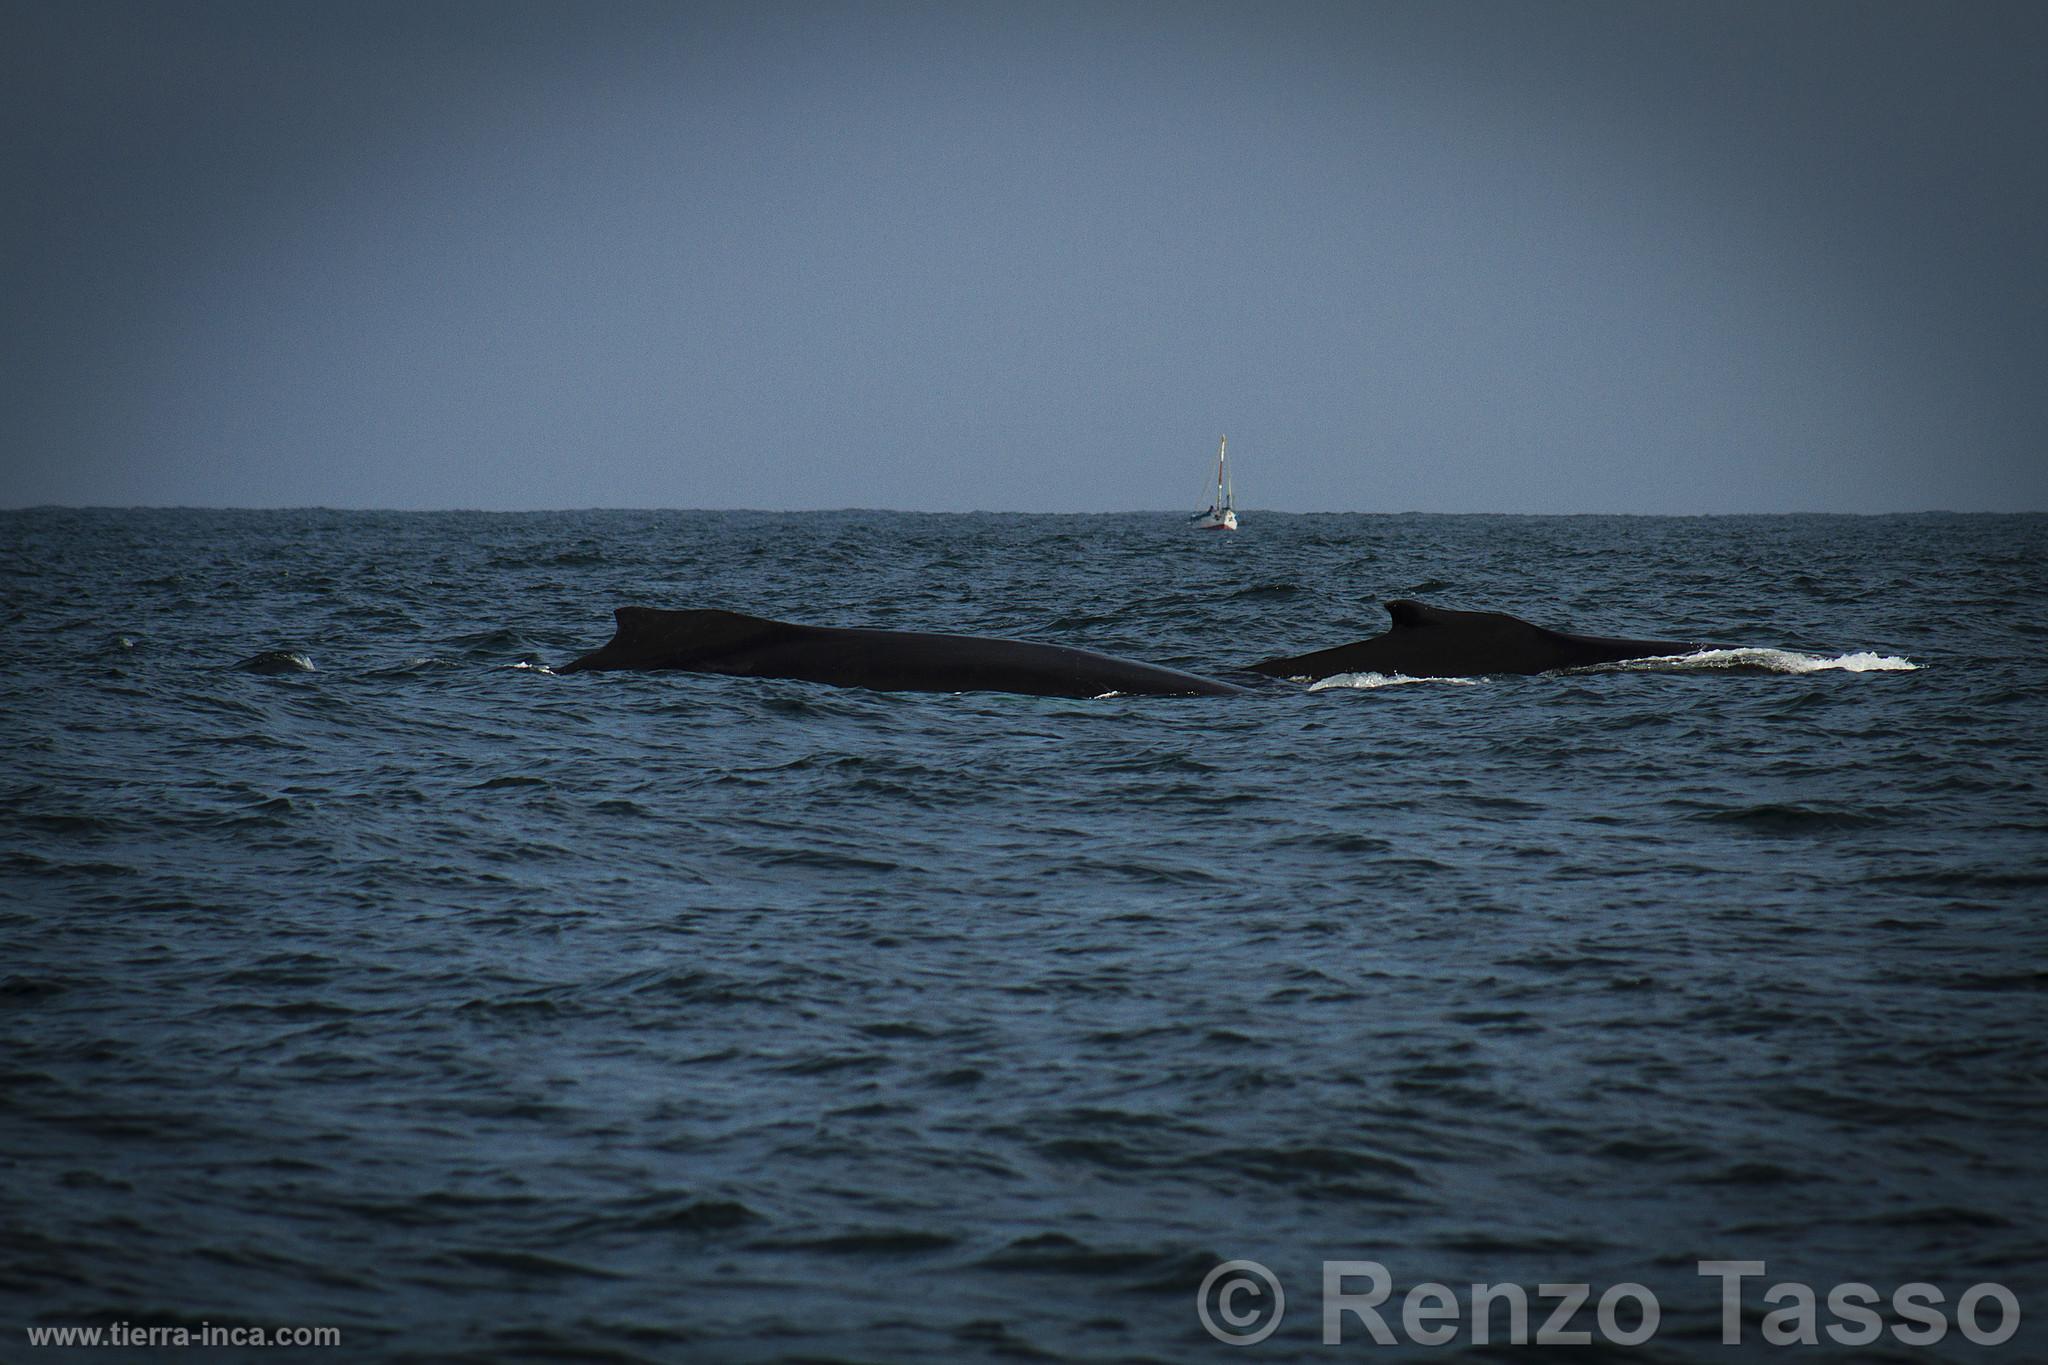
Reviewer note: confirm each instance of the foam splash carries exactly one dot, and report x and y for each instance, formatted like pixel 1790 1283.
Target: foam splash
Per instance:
pixel 1367 681
pixel 1767 661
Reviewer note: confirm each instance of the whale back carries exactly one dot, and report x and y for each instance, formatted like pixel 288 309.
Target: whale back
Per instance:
pixel 714 641
pixel 1422 642
pixel 1436 642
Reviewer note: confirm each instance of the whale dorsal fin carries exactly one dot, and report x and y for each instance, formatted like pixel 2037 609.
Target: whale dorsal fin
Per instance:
pixel 1409 614
pixel 654 637
pixel 700 632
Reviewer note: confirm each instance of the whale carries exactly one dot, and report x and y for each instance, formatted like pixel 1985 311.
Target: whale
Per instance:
pixel 1422 642
pixel 708 640
pixel 1436 642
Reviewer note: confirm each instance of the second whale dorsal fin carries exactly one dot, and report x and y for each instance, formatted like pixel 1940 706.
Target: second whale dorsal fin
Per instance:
pixel 1409 614
pixel 1412 615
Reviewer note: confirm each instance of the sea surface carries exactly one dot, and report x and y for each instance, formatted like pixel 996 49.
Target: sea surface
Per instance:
pixel 357 970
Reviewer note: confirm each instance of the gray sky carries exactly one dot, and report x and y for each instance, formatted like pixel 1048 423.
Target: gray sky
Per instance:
pixel 1451 256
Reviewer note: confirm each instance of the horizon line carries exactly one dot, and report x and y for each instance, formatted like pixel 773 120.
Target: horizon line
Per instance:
pixel 978 511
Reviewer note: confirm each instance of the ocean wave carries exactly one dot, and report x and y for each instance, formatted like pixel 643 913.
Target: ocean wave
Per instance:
pixel 276 661
pixel 418 665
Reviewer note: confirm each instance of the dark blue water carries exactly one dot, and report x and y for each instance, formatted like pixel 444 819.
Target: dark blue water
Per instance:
pixel 355 972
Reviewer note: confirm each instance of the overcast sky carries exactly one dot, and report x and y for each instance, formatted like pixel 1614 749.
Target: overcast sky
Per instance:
pixel 1655 257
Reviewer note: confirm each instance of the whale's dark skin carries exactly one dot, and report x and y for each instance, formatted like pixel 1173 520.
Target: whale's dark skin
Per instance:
pixel 709 641
pixel 1424 642
pixel 1431 642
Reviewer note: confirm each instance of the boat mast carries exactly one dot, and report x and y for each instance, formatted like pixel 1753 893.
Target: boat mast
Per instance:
pixel 1222 444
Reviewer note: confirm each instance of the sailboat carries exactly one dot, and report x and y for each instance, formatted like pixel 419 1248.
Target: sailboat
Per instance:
pixel 1222 513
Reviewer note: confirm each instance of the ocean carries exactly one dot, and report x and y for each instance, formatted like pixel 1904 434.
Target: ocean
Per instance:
pixel 359 972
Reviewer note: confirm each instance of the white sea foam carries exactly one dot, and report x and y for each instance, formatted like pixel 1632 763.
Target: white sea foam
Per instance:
pixel 1364 681
pixel 1769 661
